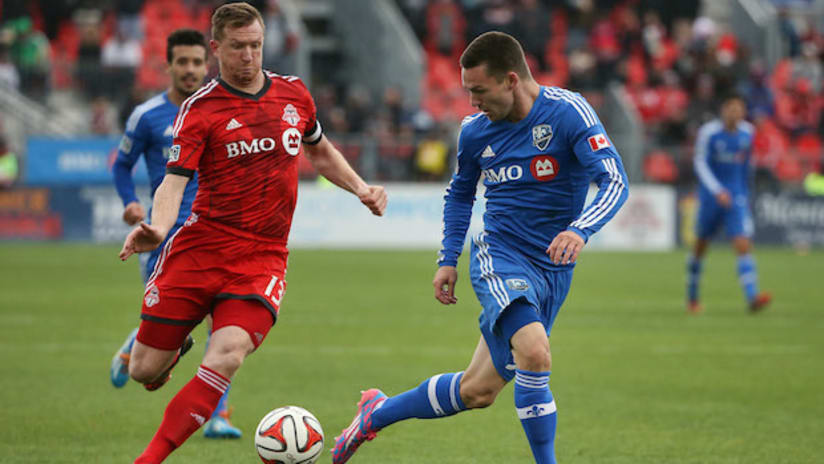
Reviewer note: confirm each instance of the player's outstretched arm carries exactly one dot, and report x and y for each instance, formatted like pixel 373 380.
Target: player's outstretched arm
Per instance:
pixel 331 164
pixel 444 283
pixel 166 204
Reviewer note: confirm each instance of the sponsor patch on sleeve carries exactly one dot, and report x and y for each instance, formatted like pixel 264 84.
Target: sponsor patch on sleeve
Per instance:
pixel 174 153
pixel 126 144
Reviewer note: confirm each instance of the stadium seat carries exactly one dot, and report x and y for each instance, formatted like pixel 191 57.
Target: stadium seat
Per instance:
pixel 788 169
pixel 808 149
pixel 660 167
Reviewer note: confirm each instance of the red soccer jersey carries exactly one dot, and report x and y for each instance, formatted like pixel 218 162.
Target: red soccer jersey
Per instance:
pixel 244 148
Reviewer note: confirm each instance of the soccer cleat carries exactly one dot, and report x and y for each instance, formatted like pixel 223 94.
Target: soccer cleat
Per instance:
pixel 360 429
pixel 760 302
pixel 694 307
pixel 220 427
pixel 167 374
pixel 119 370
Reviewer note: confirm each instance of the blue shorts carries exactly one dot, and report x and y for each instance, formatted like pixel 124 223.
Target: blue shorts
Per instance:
pixel 737 219
pixel 502 275
pixel 148 260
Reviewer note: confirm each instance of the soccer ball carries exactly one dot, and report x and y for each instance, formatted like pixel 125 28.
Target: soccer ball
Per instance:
pixel 289 435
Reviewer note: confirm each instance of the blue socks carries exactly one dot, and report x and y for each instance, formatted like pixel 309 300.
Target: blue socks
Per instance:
pixel 536 410
pixel 438 396
pixel 747 276
pixel 693 276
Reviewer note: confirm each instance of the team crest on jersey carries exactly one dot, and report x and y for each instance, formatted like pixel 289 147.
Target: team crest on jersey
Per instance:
pixel 152 296
pixel 174 153
pixel 126 144
pixel 541 135
pixel 290 115
pixel 519 285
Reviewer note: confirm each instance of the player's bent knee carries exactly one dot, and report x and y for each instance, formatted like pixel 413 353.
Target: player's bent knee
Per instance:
pixel 534 358
pixel 144 372
pixel 227 356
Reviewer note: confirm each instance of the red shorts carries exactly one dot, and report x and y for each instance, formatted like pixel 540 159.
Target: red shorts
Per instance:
pixel 203 265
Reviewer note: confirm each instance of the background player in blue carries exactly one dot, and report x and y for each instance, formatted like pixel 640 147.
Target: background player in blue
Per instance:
pixel 149 134
pixel 538 149
pixel 722 165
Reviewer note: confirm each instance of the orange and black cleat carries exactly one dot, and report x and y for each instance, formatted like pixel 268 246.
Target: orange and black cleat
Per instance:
pixel 760 302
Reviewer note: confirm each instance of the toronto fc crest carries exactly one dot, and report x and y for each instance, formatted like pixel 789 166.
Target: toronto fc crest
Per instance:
pixel 290 115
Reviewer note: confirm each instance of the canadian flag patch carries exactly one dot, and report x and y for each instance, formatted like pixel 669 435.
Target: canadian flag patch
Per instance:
pixel 598 141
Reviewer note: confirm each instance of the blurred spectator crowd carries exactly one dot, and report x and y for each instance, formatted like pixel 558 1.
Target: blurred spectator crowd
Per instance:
pixel 673 64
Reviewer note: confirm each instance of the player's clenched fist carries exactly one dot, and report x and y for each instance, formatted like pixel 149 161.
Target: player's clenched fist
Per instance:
pixel 374 197
pixel 133 213
pixel 144 237
pixel 565 247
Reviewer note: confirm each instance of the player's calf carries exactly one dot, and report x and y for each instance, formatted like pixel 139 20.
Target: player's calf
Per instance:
pixel 476 395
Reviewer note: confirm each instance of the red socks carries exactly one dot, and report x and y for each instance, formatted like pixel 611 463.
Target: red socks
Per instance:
pixel 188 410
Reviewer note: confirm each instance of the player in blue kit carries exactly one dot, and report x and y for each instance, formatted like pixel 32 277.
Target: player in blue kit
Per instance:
pixel 722 165
pixel 538 148
pixel 149 134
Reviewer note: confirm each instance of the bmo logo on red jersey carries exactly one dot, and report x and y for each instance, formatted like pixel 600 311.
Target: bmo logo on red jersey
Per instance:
pixel 248 148
pixel 544 168
pixel 291 141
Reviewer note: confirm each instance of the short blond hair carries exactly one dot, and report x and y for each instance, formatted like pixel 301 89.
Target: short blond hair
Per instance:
pixel 234 15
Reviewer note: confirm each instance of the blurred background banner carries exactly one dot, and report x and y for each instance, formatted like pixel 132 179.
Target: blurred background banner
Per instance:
pixel 793 218
pixel 78 161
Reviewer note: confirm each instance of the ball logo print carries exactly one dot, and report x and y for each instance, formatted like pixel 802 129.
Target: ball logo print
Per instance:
pixel 598 141
pixel 544 168
pixel 289 435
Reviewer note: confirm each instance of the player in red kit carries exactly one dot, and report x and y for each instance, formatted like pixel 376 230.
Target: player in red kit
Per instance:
pixel 241 133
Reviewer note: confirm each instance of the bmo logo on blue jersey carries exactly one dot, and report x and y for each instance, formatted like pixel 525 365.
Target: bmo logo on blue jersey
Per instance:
pixel 503 174
pixel 247 148
pixel 544 168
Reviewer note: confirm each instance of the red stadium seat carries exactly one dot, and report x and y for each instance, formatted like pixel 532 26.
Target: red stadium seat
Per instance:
pixel 788 169
pixel 660 167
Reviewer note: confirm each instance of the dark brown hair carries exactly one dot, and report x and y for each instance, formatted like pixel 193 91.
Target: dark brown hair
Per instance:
pixel 184 37
pixel 499 51
pixel 233 15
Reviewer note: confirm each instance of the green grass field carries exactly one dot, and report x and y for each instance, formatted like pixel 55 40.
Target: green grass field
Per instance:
pixel 635 378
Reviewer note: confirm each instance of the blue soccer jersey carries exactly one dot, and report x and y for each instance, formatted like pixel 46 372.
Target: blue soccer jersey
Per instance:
pixel 149 133
pixel 536 172
pixel 722 158
pixel 722 164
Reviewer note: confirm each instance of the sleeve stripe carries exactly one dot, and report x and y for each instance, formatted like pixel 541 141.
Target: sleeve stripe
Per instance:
pixel 187 105
pixel 140 110
pixel 702 169
pixel 314 137
pixel 580 105
pixel 596 212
